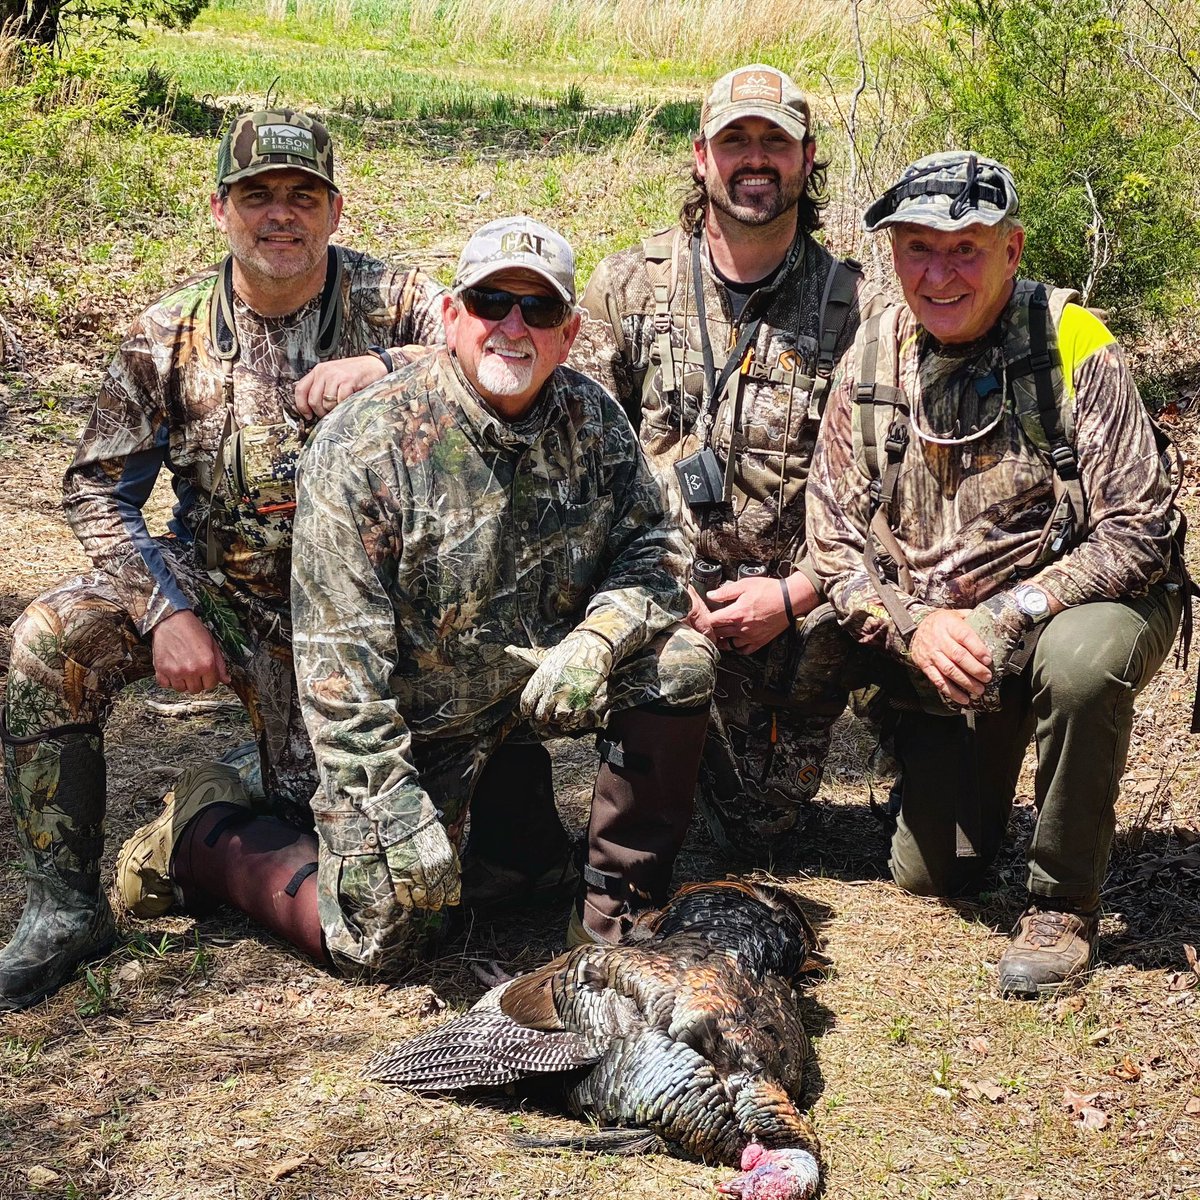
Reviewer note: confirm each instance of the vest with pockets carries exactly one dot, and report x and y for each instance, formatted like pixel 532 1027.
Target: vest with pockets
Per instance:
pixel 663 255
pixel 1042 398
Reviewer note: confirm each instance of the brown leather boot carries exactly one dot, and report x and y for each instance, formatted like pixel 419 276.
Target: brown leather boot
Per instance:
pixel 1051 948
pixel 641 807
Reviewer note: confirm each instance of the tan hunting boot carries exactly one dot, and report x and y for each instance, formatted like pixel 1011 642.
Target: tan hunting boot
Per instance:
pixel 144 863
pixel 1051 948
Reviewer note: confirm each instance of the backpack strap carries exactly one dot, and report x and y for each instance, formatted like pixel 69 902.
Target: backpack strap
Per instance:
pixel 841 286
pixel 662 271
pixel 1051 427
pixel 329 333
pixel 880 541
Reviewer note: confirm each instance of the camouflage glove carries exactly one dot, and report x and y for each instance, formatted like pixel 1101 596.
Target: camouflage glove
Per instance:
pixel 1003 628
pixel 569 688
pixel 424 869
pixel 381 911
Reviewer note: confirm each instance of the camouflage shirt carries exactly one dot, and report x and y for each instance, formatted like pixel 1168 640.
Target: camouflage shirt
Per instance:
pixel 775 426
pixel 430 534
pixel 162 404
pixel 966 514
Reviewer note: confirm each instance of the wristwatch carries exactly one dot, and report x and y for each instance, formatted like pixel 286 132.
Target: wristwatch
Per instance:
pixel 1032 601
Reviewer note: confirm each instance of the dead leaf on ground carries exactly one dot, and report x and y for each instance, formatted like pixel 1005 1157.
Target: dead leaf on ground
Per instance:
pixel 980 1046
pixel 1068 1007
pixel 40 1177
pixel 1074 1101
pixel 984 1089
pixel 1127 1070
pixel 1082 1107
pixel 1192 1107
pixel 1181 981
pixel 1189 952
pixel 287 1166
pixel 1100 1037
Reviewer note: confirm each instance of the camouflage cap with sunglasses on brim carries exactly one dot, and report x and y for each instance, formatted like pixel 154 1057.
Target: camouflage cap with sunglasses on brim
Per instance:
pixel 755 91
pixel 270 139
pixel 518 243
pixel 946 191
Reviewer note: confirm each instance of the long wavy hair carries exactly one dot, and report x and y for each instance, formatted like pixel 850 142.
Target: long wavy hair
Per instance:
pixel 814 198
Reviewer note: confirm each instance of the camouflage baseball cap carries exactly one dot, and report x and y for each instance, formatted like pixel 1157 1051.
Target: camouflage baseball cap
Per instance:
pixel 755 91
pixel 946 191
pixel 513 243
pixel 271 138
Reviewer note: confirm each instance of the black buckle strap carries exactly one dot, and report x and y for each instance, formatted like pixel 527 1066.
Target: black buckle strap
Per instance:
pixel 1066 463
pixel 297 880
pixel 615 754
pixel 896 444
pixel 606 882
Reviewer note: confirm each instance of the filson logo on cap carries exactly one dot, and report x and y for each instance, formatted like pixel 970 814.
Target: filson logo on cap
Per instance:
pixel 286 139
pixel 522 242
pixel 756 85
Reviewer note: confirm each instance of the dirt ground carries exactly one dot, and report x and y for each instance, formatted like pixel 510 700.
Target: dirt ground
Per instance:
pixel 202 1060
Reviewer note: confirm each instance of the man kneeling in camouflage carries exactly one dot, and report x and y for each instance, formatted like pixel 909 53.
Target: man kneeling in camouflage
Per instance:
pixel 214 383
pixel 481 554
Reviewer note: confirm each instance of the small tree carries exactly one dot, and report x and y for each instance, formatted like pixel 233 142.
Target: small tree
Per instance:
pixel 49 22
pixel 1106 170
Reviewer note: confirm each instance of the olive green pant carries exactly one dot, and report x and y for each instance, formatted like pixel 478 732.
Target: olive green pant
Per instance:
pixel 1075 699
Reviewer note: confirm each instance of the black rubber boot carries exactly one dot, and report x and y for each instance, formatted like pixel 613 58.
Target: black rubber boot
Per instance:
pixel 518 851
pixel 56 784
pixel 641 807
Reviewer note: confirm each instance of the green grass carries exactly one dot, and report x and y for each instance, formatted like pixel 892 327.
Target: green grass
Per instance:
pixel 650 42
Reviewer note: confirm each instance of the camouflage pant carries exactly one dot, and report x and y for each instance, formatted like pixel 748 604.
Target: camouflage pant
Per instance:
pixel 769 732
pixel 74 648
pixel 675 670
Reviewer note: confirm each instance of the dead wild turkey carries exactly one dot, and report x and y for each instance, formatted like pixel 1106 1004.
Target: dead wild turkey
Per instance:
pixel 690 1031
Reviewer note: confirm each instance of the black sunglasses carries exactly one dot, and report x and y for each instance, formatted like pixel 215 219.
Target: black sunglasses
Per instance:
pixel 538 312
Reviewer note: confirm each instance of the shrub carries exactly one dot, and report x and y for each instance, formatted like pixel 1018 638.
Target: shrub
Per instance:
pixel 1055 89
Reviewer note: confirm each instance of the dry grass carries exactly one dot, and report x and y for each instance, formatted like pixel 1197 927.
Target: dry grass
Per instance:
pixel 671 31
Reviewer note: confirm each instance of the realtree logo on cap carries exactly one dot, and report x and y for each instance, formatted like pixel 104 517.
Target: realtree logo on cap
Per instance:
pixel 286 139
pixel 522 242
pixel 754 85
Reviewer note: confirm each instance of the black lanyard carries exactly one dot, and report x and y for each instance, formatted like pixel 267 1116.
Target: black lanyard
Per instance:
pixel 715 386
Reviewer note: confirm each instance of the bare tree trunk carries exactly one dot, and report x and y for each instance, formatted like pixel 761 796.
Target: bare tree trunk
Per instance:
pixel 30 20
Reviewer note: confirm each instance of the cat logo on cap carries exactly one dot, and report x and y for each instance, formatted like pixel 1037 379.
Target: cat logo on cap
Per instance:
pixel 522 242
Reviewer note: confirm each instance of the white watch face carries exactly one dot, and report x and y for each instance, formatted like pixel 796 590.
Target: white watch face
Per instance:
pixel 1032 601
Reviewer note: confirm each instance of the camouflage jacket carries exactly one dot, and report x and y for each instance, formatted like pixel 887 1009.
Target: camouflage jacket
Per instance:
pixel 776 425
pixel 430 535
pixel 162 404
pixel 966 514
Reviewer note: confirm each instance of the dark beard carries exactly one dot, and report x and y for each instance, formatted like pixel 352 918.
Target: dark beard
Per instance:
pixel 745 214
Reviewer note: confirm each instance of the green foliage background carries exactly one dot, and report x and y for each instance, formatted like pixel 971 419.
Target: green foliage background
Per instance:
pixel 1106 168
pixel 583 112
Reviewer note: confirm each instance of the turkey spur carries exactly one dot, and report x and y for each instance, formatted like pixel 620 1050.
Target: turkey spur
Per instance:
pixel 690 1030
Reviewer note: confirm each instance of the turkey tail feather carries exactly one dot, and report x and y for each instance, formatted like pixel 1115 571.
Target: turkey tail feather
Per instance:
pixel 479 1050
